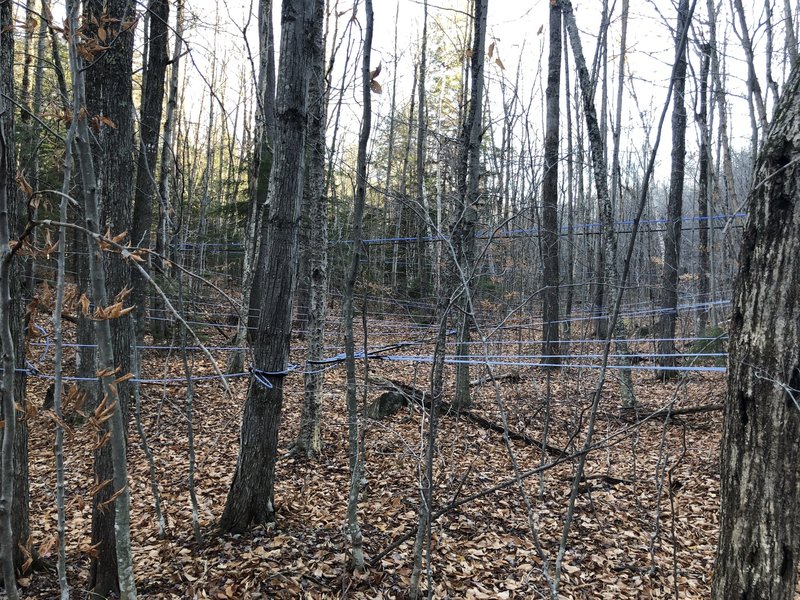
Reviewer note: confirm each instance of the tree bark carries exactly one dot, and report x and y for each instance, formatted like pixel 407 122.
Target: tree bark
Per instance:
pixel 759 540
pixel 467 214
pixel 703 184
pixel 251 495
pixel 112 571
pixel 263 149
pixel 109 24
pixel 752 79
pixel 600 170
pixel 422 212
pixel 21 493
pixel 356 461
pixel 149 127
pixel 8 353
pixel 263 157
pixel 308 439
pixel 549 231
pixel 166 225
pixel 670 275
pixel 791 38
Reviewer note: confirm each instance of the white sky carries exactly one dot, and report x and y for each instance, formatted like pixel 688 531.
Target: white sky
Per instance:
pixel 513 25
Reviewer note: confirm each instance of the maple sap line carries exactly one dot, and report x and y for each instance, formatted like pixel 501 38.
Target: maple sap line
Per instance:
pixel 227 247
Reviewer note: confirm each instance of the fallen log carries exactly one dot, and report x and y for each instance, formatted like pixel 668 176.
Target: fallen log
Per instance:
pixel 422 398
pixel 513 377
pixel 689 410
pixel 674 412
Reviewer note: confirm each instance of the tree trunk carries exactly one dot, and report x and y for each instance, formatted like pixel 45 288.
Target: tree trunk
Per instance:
pixel 703 184
pixel 670 276
pixel 308 439
pixel 263 149
pixel 112 571
pixel 166 225
pixel 21 492
pixel 549 231
pixel 8 348
pixel 402 198
pixel 356 461
pixel 600 169
pixel 149 127
pixel 422 212
pixel 467 215
pixel 759 540
pixel 752 79
pixel 250 498
pixel 570 194
pixel 109 96
pixel 791 39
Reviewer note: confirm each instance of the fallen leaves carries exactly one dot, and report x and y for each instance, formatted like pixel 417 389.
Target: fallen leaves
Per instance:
pixel 483 549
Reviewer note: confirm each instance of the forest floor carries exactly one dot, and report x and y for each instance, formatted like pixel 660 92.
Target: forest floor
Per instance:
pixel 645 519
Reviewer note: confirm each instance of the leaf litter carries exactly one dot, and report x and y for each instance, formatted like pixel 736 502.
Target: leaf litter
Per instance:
pixel 646 511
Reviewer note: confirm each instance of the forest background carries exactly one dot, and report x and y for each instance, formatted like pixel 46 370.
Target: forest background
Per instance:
pixel 444 299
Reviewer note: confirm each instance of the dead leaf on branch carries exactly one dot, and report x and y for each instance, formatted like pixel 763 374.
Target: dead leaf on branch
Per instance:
pixel 98 487
pixel 26 550
pixel 108 372
pixel 93 551
pixel 104 505
pixel 85 303
pixel 47 546
pixel 99 120
pixel 23 184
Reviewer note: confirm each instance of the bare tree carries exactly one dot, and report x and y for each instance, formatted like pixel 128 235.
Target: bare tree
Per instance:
pixel 760 489
pixel 600 170
pixel 468 196
pixel 109 101
pixel 250 498
pixel 7 344
pixel 110 528
pixel 165 176
pixel 308 439
pixel 263 152
pixel 703 184
pixel 672 237
pixel 14 450
pixel 356 457
pixel 149 128
pixel 549 231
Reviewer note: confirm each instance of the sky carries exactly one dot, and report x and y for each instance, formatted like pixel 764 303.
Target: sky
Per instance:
pixel 225 54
